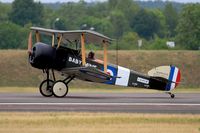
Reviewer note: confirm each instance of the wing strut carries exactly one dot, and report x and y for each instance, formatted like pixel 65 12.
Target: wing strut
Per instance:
pixel 37 34
pixel 59 40
pixel 83 49
pixel 53 40
pixel 30 42
pixel 105 56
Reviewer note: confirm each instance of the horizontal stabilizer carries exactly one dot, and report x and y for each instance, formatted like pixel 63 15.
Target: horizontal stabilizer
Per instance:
pixel 169 74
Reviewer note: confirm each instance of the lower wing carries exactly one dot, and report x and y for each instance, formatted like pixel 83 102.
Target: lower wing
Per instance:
pixel 87 73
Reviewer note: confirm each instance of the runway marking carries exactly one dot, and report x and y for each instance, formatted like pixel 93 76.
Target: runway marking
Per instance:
pixel 105 104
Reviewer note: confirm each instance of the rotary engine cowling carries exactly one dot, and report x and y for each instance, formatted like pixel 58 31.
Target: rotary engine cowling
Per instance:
pixel 42 56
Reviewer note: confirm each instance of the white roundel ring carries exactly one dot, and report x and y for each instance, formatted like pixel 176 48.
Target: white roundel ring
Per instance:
pixel 60 89
pixel 110 72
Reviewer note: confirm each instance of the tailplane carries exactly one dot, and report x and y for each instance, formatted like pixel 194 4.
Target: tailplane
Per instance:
pixel 171 75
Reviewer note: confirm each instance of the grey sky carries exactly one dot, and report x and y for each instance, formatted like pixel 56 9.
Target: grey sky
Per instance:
pixel 53 1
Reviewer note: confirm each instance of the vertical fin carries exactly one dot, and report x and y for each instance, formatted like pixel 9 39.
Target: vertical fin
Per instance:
pixel 174 78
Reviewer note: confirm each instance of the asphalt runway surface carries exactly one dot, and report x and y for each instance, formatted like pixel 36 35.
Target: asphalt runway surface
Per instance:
pixel 103 102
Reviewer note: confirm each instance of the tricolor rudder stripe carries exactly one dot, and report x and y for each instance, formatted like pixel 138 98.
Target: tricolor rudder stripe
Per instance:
pixel 174 78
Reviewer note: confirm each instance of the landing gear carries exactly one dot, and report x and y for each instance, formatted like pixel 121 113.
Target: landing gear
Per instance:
pixel 46 85
pixel 58 88
pixel 45 88
pixel 171 95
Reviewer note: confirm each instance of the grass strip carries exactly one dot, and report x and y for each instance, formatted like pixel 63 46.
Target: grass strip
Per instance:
pixel 53 122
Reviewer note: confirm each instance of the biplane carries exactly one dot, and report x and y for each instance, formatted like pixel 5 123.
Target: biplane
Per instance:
pixel 65 52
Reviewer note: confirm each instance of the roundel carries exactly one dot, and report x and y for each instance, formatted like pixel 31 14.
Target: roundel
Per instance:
pixel 110 72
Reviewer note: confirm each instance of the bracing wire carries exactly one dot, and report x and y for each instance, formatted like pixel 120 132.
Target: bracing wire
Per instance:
pixel 117 47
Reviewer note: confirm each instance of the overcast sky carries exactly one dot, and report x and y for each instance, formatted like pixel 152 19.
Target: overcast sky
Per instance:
pixel 53 1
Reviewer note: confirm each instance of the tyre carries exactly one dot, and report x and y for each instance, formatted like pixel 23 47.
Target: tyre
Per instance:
pixel 60 89
pixel 45 90
pixel 172 96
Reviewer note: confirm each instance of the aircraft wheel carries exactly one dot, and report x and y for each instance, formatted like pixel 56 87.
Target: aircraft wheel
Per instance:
pixel 45 90
pixel 60 89
pixel 172 96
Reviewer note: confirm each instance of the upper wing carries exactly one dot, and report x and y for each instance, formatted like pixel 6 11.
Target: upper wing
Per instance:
pixel 90 36
pixel 87 73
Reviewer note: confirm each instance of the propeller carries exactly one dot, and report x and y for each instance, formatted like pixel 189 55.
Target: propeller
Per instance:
pixel 30 43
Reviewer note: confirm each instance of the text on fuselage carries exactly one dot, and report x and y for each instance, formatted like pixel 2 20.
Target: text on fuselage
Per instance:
pixel 79 62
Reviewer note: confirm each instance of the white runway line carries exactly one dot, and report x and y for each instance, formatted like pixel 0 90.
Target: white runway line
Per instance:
pixel 102 104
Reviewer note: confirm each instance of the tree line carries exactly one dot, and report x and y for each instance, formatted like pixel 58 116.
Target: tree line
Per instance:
pixel 126 21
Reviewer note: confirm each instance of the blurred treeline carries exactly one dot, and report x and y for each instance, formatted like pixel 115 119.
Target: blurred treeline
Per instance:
pixel 127 21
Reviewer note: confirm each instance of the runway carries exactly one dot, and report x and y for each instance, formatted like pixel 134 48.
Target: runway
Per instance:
pixel 103 102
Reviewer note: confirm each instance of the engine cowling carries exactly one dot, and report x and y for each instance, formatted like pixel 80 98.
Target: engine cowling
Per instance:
pixel 42 56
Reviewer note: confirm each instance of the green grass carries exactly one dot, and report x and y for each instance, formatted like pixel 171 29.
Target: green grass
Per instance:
pixel 16 71
pixel 15 122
